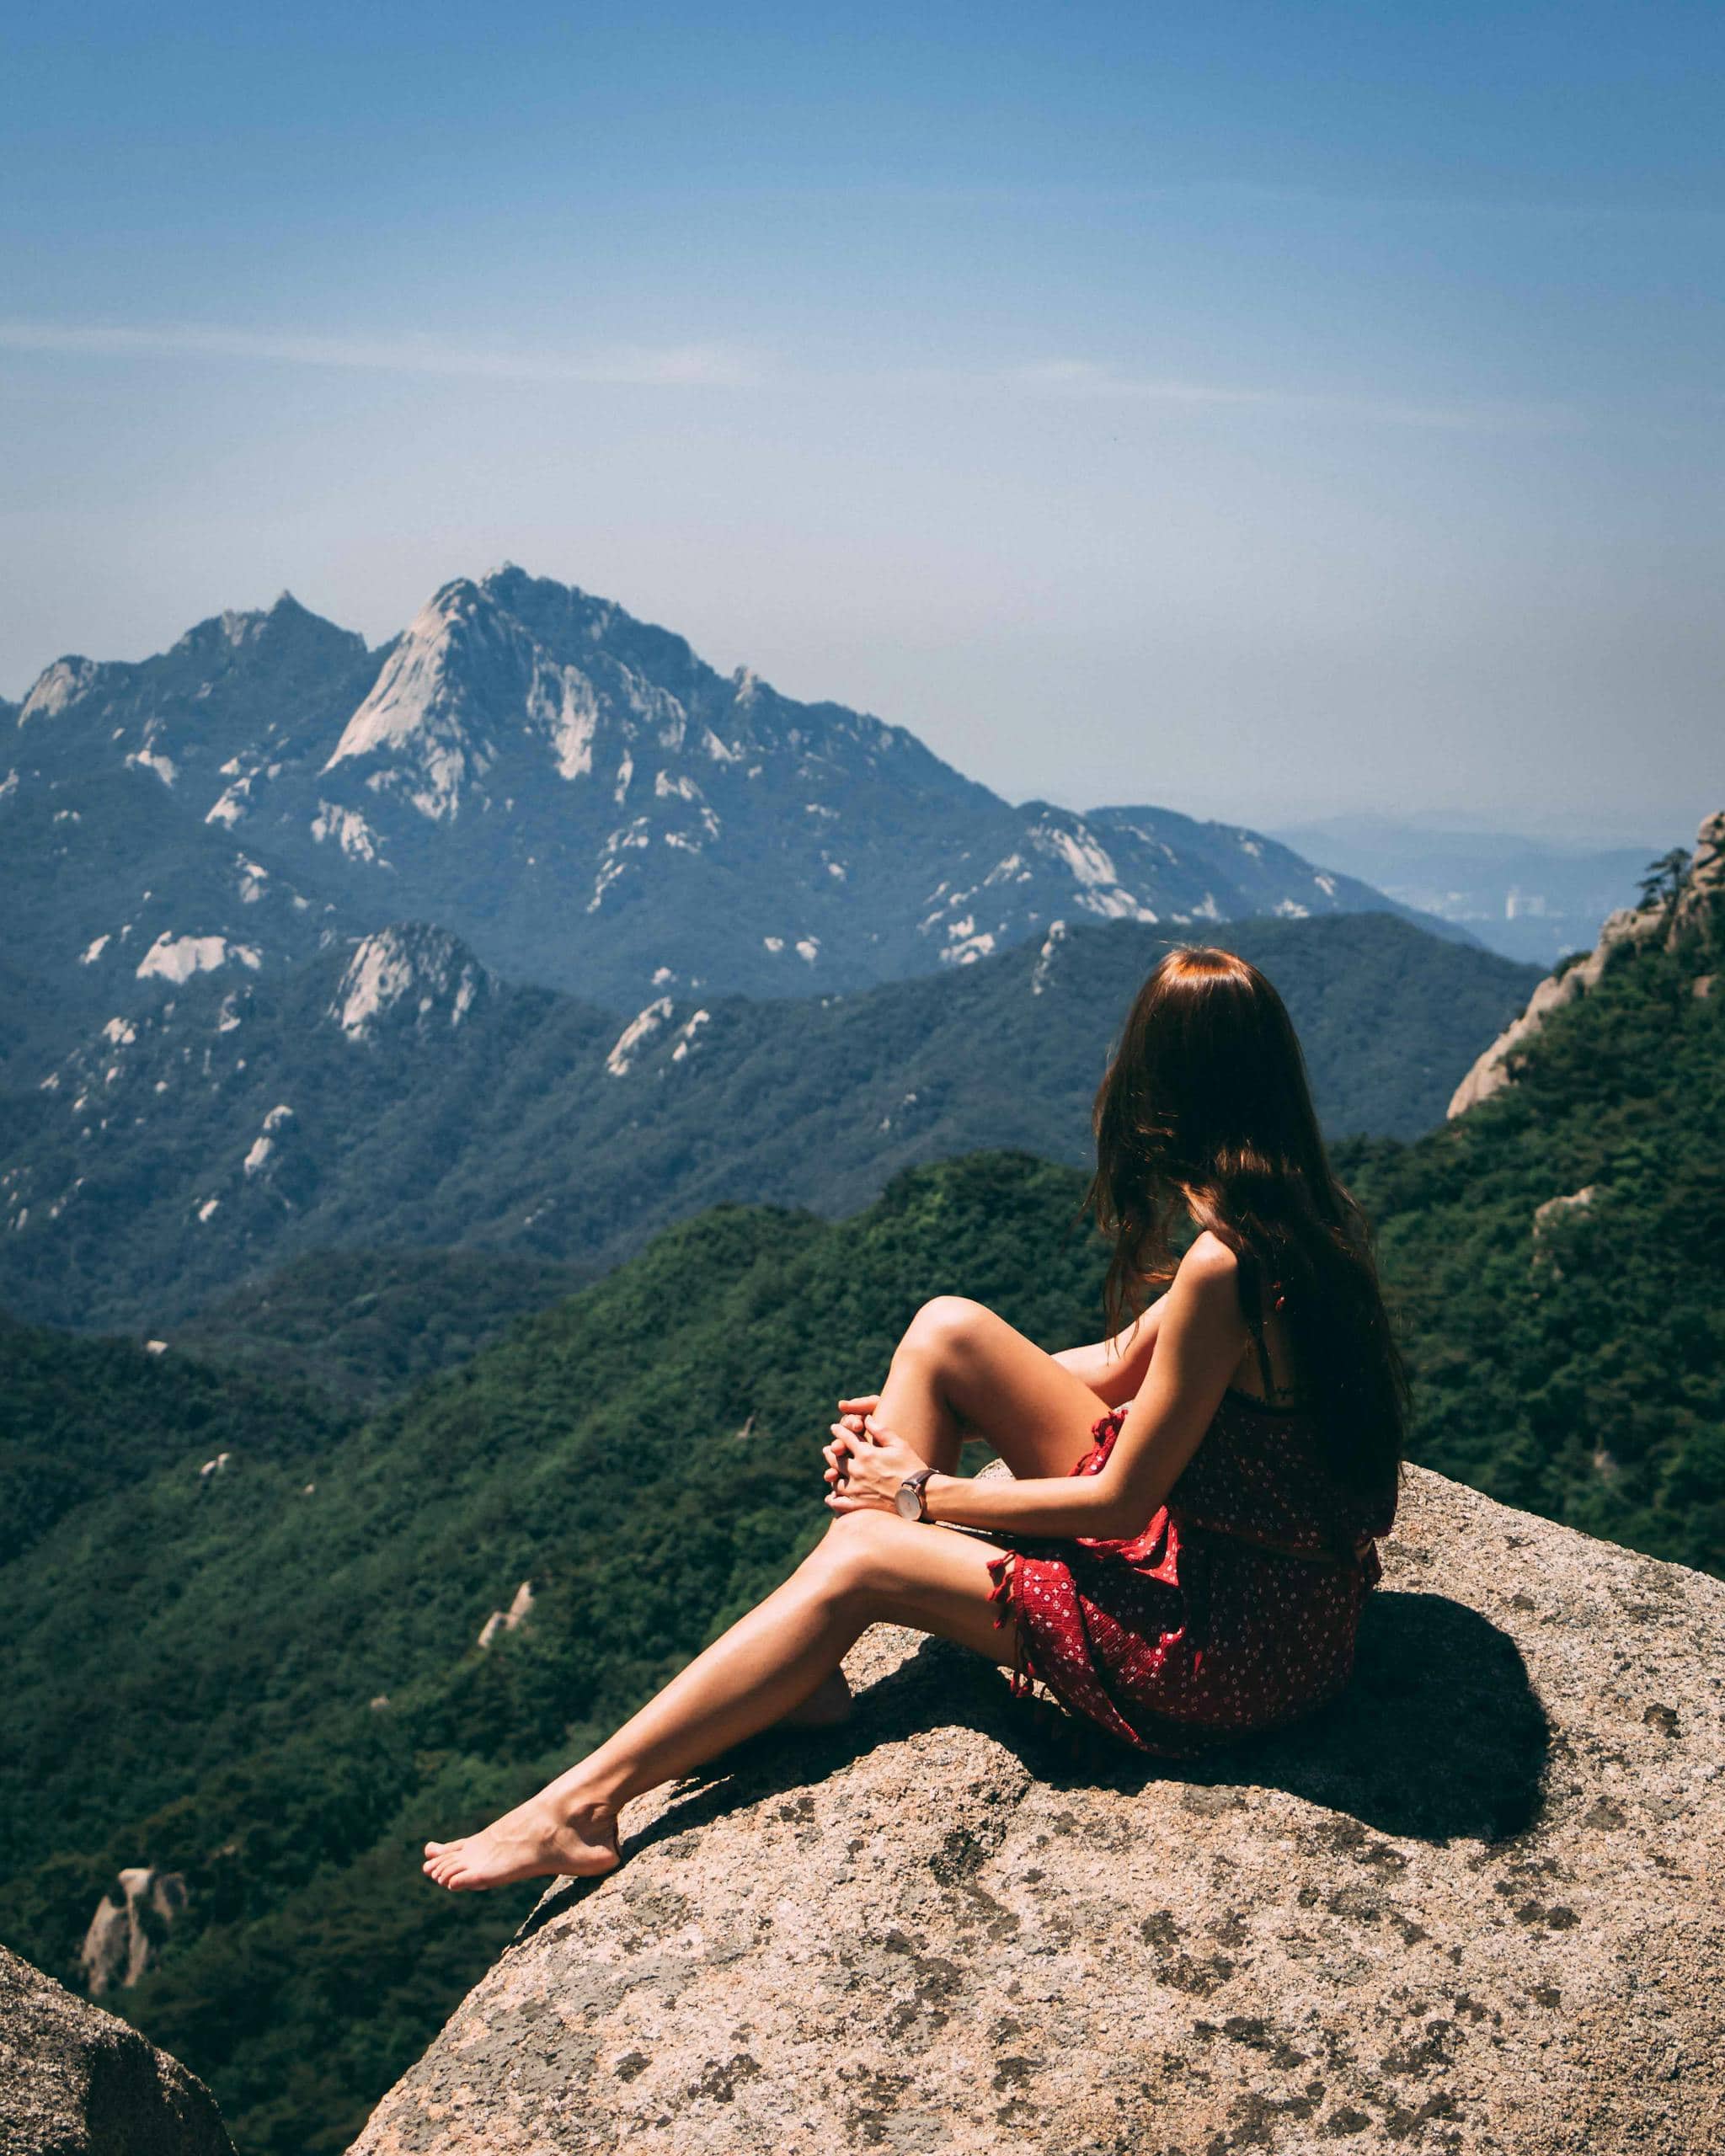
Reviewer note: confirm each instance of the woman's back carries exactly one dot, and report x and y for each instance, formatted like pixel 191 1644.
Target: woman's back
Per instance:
pixel 1265 1474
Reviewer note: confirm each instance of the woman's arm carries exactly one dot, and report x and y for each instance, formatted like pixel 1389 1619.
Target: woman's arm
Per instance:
pixel 1201 1337
pixel 1115 1369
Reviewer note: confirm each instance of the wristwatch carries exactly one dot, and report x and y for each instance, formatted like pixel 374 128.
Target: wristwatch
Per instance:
pixel 909 1501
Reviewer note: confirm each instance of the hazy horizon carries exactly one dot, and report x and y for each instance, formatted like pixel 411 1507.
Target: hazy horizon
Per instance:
pixel 1271 415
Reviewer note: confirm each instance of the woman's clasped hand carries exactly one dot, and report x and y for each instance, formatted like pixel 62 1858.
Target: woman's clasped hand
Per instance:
pixel 866 1462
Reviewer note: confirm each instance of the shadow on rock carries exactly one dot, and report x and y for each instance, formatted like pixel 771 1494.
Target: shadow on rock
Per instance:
pixel 1439 1737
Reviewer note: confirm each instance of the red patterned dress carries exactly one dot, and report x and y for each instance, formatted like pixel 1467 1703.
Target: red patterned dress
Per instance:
pixel 1234 1611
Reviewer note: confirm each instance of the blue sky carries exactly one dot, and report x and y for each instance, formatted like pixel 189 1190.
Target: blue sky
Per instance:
pixel 1264 410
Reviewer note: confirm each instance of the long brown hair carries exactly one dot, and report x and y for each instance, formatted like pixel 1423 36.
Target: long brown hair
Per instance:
pixel 1205 1112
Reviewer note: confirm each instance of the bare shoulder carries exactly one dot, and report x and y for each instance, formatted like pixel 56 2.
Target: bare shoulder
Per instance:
pixel 1205 1313
pixel 1209 1269
pixel 1205 1289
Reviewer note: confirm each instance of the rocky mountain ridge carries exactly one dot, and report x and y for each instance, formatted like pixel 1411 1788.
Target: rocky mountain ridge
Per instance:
pixel 574 791
pixel 1472 1908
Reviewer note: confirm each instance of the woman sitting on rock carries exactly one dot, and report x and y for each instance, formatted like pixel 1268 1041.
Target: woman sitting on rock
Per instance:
pixel 1184 1567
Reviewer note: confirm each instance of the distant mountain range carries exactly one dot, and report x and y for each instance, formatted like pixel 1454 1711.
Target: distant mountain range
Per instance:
pixel 1531 898
pixel 571 790
pixel 391 1092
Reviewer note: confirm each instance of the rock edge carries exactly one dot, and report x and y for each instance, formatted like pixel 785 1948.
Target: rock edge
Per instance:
pixel 75 2081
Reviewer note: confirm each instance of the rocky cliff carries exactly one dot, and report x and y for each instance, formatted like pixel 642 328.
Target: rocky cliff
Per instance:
pixel 75 2082
pixel 1692 908
pixel 1473 1908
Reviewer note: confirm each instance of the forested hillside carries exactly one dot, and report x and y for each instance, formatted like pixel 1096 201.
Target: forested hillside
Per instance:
pixel 1558 1256
pixel 82 1420
pixel 365 1325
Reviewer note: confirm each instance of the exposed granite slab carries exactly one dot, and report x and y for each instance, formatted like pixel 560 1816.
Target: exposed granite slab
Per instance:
pixel 1474 1907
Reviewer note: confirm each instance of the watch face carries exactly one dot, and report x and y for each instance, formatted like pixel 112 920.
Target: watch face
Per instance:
pixel 909 1502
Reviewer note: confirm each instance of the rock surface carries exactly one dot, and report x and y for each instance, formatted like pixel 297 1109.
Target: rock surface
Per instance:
pixel 1698 903
pixel 75 2082
pixel 1472 1907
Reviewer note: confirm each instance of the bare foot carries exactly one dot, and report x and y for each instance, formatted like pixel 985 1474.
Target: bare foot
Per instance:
pixel 827 1705
pixel 538 1839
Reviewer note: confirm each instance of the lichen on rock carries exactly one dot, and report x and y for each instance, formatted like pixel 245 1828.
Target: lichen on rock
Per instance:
pixel 1470 1907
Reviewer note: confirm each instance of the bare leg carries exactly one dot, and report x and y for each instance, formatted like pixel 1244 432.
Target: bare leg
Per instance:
pixel 870 1567
pixel 961 1371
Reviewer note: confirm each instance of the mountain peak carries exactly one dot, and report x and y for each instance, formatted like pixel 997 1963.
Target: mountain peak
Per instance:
pixel 450 599
pixel 235 626
pixel 509 578
pixel 415 703
pixel 485 665
pixel 255 634
pixel 580 792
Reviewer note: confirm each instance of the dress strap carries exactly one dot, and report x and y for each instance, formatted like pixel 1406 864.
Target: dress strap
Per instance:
pixel 1254 1294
